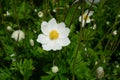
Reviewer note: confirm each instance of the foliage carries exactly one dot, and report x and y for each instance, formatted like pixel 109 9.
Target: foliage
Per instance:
pixel 96 44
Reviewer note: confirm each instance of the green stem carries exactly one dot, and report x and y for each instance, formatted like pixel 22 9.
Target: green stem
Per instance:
pixel 80 38
pixel 74 14
pixel 76 53
pixel 115 23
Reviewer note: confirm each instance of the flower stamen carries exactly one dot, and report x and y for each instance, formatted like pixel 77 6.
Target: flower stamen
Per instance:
pixel 53 35
pixel 85 17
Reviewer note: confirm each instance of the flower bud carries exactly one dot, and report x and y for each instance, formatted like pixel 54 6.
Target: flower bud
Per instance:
pixel 9 28
pixel 31 42
pixel 100 72
pixel 18 35
pixel 54 69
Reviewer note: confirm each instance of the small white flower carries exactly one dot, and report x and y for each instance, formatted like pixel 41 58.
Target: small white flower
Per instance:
pixel 96 62
pixel 18 35
pixel 117 66
pixel 107 22
pixel 115 32
pixel 7 13
pixel 40 14
pixel 9 28
pixel 85 49
pixel 4 14
pixel 94 26
pixel 35 10
pixel 12 55
pixel 31 42
pixel 55 69
pixel 54 35
pixel 54 10
pixel 79 7
pixel 100 72
pixel 86 17
pixel 118 15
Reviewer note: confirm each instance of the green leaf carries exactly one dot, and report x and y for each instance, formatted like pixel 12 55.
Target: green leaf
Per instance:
pixel 25 68
pixel 56 78
pixel 62 77
pixel 46 77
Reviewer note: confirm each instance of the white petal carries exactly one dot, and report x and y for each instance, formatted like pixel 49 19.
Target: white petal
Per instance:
pixel 64 41
pixel 18 35
pixel 86 12
pixel 88 20
pixel 64 33
pixel 46 47
pixel 52 24
pixel 61 26
pixel 80 18
pixel 83 23
pixel 42 39
pixel 57 46
pixel 44 28
pixel 90 13
pixel 52 45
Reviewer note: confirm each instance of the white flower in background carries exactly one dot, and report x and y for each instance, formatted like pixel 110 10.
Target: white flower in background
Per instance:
pixel 31 42
pixel 12 55
pixel 86 17
pixel 117 66
pixel 94 26
pixel 118 15
pixel 89 2
pixel 115 32
pixel 85 49
pixel 9 28
pixel 107 22
pixel 54 10
pixel 35 10
pixel 79 7
pixel 40 14
pixel 18 35
pixel 54 35
pixel 55 69
pixel 100 72
pixel 96 62
pixel 7 13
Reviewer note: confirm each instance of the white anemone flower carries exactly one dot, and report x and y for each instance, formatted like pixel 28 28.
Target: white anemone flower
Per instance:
pixel 89 2
pixel 18 35
pixel 86 17
pixel 55 69
pixel 54 35
pixel 40 14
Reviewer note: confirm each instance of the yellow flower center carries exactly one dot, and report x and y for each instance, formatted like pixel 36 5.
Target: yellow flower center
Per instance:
pixel 53 35
pixel 85 17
